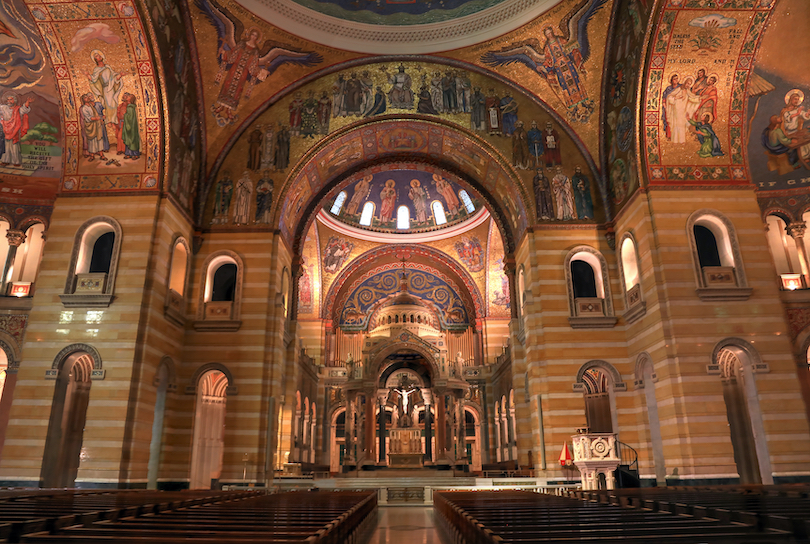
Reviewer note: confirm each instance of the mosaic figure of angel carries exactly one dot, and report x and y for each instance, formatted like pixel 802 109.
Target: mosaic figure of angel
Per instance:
pixel 245 60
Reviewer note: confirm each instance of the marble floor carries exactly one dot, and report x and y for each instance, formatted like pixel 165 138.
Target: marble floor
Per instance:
pixel 405 525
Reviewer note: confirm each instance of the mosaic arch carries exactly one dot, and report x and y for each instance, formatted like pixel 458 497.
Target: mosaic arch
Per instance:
pixel 380 284
pixel 699 77
pixel 322 173
pixel 274 139
pixel 442 266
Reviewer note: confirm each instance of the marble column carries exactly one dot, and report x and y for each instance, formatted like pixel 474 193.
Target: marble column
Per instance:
pixel 441 435
pixel 349 458
pixel 428 398
pixel 796 231
pixel 15 239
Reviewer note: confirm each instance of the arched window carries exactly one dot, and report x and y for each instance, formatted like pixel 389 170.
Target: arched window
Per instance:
pixel 367 215
pixel 584 280
pixel 438 213
pixel 24 265
pixel 93 265
pixel 597 380
pixel 221 293
pixel 341 198
pixel 285 291
pixel 175 307
pixel 716 257
pixel 403 217
pixel 588 289
pixel 631 279
pixel 467 201
pixel 708 254
pixel 223 286
pixel 521 289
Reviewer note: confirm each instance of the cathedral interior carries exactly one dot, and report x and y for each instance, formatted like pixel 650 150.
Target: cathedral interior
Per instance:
pixel 251 240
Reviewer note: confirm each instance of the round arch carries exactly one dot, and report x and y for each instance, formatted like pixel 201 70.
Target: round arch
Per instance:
pixel 325 168
pixel 288 91
pixel 195 379
pixel 379 357
pixel 609 369
pixel 379 253
pixel 64 353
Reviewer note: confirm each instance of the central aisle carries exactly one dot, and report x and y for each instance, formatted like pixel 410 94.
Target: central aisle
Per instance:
pixel 405 525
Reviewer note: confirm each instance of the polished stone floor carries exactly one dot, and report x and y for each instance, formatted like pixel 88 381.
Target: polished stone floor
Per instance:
pixel 405 525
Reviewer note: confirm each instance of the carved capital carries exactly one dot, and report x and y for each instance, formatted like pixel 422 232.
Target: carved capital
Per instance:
pixel 15 237
pixel 796 230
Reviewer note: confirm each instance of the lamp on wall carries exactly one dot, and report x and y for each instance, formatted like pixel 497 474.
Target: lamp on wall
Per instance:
pixel 20 289
pixel 791 282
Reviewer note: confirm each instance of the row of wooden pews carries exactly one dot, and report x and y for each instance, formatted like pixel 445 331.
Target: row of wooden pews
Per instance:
pixel 782 507
pixel 145 517
pixel 518 517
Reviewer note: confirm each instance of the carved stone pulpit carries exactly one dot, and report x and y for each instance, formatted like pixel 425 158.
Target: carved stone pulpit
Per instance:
pixel 595 454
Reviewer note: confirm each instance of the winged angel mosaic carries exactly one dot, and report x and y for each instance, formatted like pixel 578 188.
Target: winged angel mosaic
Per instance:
pixel 244 59
pixel 559 59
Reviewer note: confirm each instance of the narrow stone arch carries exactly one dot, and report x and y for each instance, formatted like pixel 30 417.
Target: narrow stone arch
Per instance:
pixel 171 373
pixel 722 225
pixel 62 356
pixel 751 364
pixel 80 245
pixel 609 369
pixel 643 359
pixel 379 355
pixel 231 390
pixel 226 255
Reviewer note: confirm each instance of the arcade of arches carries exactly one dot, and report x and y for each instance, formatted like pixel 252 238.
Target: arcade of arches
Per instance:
pixel 246 242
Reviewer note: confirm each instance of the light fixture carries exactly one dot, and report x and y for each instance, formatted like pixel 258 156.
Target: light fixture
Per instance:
pixel 791 282
pixel 20 289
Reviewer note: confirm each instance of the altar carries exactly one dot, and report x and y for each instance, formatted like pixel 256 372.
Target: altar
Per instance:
pixel 406 449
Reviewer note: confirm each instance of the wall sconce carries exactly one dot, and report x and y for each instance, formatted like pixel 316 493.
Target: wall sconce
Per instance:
pixel 791 282
pixel 20 289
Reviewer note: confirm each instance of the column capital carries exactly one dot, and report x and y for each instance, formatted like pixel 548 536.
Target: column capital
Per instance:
pixel 796 229
pixel 15 237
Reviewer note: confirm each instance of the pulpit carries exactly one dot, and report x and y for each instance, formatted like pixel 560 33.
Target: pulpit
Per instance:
pixel 406 448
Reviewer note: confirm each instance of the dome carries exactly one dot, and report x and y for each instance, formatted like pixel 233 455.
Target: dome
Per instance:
pixel 403 201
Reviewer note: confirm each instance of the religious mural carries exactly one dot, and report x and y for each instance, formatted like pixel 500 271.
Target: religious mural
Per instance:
pixel 778 137
pixel 619 157
pixel 559 58
pixel 109 97
pixel 186 136
pixel 525 135
pixel 309 283
pixel 699 72
pixel 498 299
pixel 437 291
pixel 409 200
pixel 30 125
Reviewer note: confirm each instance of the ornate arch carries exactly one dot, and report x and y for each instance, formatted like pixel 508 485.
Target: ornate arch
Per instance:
pixel 237 295
pixel 381 351
pixel 603 269
pixel 65 352
pixel 610 370
pixel 231 390
pixel 323 169
pixel 730 235
pixel 12 351
pixel 171 373
pixel 374 255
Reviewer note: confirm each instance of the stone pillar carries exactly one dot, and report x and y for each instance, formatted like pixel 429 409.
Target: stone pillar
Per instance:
pixel 796 231
pixel 461 426
pixel 349 458
pixel 428 398
pixel 381 428
pixel 510 268
pixel 441 438
pixel 369 426
pixel 15 239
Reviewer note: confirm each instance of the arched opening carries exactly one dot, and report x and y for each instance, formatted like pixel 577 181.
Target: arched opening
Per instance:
pixel 63 445
pixel 156 442
pixel 209 430
pixel 708 253
pixel 101 254
pixel 3 373
pixel 745 423
pixel 438 213
pixel 179 268
pixel 24 269
pixel 584 279
pixel 629 264
pixel 599 410
pixel 338 205
pixel 338 441
pixel 223 285
pixel 367 215
pixel 472 437
pixel 403 218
